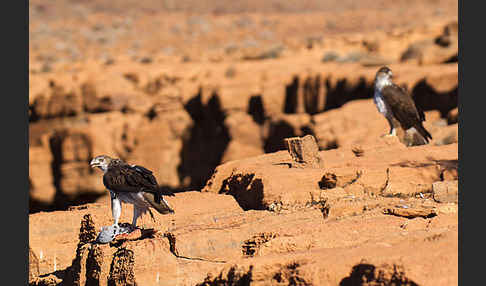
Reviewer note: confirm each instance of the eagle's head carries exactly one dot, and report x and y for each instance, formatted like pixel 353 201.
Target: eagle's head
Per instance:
pixel 101 162
pixel 383 77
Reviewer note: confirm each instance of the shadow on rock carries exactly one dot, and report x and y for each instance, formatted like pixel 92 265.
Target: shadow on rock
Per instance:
pixel 427 98
pixel 202 152
pixel 368 274
pixel 246 190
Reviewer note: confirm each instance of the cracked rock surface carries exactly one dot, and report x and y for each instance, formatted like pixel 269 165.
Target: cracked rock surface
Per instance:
pixel 257 220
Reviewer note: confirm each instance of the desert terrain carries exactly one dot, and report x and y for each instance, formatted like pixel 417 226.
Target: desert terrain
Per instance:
pixel 204 93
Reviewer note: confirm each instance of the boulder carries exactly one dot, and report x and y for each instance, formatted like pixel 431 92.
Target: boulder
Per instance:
pixel 445 191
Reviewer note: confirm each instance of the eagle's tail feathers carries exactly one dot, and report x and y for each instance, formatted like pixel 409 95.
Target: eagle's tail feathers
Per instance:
pixel 421 129
pixel 166 191
pixel 151 214
pixel 162 207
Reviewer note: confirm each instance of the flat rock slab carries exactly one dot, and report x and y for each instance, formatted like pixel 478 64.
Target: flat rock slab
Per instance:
pixel 210 233
pixel 411 212
pixel 389 169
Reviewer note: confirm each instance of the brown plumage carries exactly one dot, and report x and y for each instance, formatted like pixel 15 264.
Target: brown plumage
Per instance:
pixel 404 110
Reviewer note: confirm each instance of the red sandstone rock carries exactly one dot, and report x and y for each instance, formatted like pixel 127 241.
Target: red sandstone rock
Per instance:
pixel 101 91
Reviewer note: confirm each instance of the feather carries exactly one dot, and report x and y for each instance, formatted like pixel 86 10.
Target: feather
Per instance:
pixel 162 207
pixel 121 177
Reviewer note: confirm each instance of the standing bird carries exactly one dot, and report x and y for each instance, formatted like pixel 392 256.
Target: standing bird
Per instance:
pixel 131 184
pixel 394 102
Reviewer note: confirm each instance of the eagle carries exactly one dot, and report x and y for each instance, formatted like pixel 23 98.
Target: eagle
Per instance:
pixel 394 101
pixel 131 184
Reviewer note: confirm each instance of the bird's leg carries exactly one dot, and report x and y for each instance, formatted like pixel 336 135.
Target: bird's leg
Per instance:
pixel 136 214
pixel 393 130
pixel 115 210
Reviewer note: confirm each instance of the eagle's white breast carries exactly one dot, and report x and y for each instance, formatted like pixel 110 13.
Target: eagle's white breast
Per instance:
pixel 380 103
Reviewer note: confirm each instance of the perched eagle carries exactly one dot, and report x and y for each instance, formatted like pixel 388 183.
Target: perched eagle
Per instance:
pixel 394 102
pixel 131 184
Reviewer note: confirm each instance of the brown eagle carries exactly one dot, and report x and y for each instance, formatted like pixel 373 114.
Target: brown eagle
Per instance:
pixel 131 184
pixel 394 102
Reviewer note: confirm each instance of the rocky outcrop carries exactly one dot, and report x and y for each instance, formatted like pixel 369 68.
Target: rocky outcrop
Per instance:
pixel 183 139
pixel 259 220
pixel 33 265
pixel 266 182
pixel 209 112
pixel 183 119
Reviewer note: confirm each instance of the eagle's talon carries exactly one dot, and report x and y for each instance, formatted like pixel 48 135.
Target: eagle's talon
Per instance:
pixel 116 229
pixel 133 228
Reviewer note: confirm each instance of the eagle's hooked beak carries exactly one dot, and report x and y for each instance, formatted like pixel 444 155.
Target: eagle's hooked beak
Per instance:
pixel 94 163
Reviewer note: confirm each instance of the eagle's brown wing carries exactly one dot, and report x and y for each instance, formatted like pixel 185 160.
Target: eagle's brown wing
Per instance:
pixel 147 174
pixel 154 198
pixel 125 178
pixel 404 109
pixel 401 105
